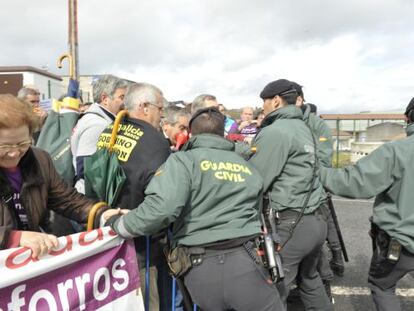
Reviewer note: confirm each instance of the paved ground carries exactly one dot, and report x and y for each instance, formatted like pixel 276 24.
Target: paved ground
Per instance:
pixel 351 292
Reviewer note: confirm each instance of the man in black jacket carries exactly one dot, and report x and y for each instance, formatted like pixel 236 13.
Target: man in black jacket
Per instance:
pixel 141 149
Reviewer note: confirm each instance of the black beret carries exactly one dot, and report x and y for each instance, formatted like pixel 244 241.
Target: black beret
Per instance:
pixel 278 87
pixel 410 106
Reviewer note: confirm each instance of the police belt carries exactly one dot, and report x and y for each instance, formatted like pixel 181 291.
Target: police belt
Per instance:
pixel 198 253
pixel 221 247
pixel 322 210
pixel 182 258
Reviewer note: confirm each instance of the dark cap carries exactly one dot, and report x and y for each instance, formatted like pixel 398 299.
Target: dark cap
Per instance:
pixel 410 106
pixel 278 87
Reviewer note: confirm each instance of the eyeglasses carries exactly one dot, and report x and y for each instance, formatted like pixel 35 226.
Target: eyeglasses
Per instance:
pixel 6 148
pixel 161 109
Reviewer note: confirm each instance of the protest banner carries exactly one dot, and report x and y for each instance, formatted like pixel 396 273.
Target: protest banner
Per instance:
pixel 94 270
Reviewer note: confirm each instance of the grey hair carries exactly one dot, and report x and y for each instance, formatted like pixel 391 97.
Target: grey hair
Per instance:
pixel 138 94
pixel 173 113
pixel 200 102
pixel 247 107
pixel 107 84
pixel 26 91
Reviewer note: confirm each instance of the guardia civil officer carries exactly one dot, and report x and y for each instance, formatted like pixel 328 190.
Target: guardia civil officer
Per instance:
pixel 323 138
pixel 388 174
pixel 324 143
pixel 212 197
pixel 285 157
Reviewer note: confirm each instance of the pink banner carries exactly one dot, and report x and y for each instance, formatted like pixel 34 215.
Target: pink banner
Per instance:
pixel 104 272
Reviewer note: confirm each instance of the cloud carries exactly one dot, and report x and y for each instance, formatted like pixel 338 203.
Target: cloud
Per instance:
pixel 350 55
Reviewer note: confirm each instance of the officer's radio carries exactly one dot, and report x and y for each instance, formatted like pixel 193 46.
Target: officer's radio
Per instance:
pixel 394 250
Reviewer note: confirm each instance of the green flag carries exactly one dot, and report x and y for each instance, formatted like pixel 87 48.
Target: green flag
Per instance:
pixel 104 176
pixel 57 130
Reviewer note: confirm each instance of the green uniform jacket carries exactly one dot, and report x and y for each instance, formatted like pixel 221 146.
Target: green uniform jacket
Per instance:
pixel 323 137
pixel 285 158
pixel 388 173
pixel 208 191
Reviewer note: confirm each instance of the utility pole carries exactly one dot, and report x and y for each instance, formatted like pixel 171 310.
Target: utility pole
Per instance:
pixel 73 37
pixel 72 55
pixel 337 143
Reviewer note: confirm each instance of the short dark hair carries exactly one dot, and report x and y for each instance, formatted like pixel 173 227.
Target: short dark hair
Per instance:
pixel 313 108
pixel 290 98
pixel 207 121
pixel 409 111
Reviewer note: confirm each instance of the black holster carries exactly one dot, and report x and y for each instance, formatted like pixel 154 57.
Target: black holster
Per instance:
pixel 385 256
pixel 384 245
pixel 380 239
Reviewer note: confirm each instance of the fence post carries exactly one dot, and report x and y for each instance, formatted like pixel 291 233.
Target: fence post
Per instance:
pixel 337 143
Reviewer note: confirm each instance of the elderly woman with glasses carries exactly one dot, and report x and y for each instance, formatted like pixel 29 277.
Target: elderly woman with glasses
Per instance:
pixel 29 184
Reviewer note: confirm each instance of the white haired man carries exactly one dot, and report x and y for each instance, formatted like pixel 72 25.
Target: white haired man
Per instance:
pixel 141 149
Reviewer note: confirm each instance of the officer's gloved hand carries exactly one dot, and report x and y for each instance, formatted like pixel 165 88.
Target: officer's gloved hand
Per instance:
pixel 108 214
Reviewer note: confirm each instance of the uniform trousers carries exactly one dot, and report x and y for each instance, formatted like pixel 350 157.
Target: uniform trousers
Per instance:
pixel 384 275
pixel 231 280
pixel 300 257
pixel 324 268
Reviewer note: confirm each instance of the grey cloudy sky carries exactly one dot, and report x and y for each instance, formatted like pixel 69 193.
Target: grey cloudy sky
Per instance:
pixel 351 56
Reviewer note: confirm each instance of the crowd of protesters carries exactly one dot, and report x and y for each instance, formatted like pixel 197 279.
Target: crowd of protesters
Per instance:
pixel 197 184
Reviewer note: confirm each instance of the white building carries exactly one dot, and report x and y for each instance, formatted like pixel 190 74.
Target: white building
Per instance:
pixel 13 78
pixel 362 133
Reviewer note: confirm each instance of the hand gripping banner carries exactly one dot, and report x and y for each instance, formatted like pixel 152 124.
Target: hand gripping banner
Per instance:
pixel 94 270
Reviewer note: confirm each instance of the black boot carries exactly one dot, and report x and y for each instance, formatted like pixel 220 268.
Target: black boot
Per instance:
pixel 337 262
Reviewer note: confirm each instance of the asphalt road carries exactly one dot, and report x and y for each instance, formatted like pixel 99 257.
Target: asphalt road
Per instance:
pixel 350 291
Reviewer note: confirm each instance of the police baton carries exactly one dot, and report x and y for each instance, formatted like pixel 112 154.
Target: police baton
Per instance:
pixel 338 229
